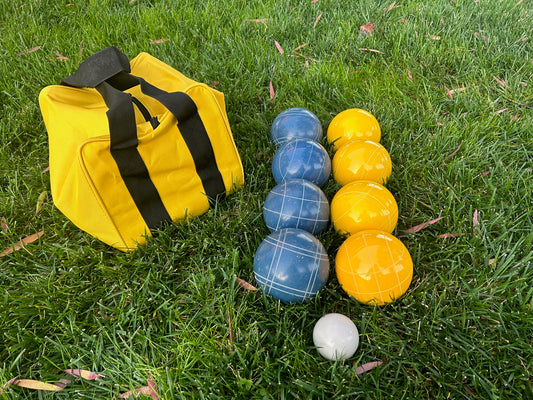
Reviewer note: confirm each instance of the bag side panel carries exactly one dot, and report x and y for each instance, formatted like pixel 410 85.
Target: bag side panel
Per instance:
pixel 73 116
pixel 103 177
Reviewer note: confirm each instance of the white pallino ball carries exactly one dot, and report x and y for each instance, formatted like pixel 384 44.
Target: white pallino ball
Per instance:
pixel 336 337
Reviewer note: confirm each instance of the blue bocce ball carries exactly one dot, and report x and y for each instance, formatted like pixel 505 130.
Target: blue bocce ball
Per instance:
pixel 302 159
pixel 295 123
pixel 291 265
pixel 296 203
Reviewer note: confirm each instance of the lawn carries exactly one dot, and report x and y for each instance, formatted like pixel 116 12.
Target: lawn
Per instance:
pixel 451 84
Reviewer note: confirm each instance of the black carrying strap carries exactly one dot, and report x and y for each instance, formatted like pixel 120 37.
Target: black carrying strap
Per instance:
pixel 123 147
pixel 108 72
pixel 191 127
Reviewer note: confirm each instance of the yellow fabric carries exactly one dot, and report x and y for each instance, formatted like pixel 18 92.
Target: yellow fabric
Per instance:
pixel 85 181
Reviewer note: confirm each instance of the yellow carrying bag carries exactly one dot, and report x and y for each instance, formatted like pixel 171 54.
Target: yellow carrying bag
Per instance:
pixel 134 144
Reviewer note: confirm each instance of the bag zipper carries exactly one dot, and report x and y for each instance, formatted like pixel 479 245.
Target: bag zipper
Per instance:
pixel 144 111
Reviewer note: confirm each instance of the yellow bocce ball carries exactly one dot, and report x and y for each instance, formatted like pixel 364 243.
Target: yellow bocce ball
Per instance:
pixel 353 123
pixel 361 160
pixel 374 267
pixel 363 205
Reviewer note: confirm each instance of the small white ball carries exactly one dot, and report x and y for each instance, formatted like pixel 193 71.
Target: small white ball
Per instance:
pixel 336 337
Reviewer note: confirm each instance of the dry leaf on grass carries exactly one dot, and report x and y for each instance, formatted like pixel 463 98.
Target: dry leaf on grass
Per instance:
pixel 367 29
pixel 82 373
pixel 60 56
pixel 371 50
pixel 454 152
pixel 316 20
pixel 475 219
pixel 448 92
pixel 417 228
pixel 245 285
pixel 278 46
pixel 259 20
pixel 36 385
pixel 20 244
pixel 28 51
pixel 142 390
pixel 391 6
pixel 450 235
pixel 500 81
pixel 150 389
pixel 367 367
pixel 3 224
pixel 159 41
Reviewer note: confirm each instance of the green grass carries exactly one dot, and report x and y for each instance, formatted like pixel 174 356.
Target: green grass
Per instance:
pixel 463 330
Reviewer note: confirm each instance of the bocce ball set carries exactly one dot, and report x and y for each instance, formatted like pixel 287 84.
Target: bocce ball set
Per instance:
pixel 291 264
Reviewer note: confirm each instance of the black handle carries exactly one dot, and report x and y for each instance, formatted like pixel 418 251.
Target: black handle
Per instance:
pixel 98 68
